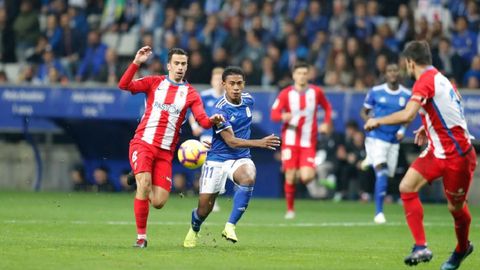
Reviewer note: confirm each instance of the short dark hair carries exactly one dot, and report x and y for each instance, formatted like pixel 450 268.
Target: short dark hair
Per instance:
pixel 300 64
pixel 419 52
pixel 173 51
pixel 232 70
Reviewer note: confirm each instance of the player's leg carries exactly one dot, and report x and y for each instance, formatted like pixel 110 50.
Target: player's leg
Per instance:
pixel 243 173
pixel 457 180
pixel 307 165
pixel 161 178
pixel 425 168
pixel 212 179
pixel 141 160
pixel 290 166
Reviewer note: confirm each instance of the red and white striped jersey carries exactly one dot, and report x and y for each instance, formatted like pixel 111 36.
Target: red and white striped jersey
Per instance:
pixel 301 130
pixel 442 114
pixel 165 107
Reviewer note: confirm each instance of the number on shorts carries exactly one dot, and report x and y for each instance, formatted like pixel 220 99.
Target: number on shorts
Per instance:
pixel 206 171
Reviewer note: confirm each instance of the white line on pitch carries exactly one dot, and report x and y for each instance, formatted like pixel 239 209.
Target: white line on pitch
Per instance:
pixel 175 223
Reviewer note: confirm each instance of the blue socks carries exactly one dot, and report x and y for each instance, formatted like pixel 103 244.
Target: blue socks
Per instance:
pixel 196 221
pixel 381 184
pixel 240 202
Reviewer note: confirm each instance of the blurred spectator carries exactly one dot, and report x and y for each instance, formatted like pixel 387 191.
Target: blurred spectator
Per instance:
pixel 3 77
pixel 472 77
pixel 339 19
pixel 318 54
pixel 363 78
pixel 198 70
pixel 293 52
pixel 297 11
pixel 79 181
pixel 213 34
pixel 27 74
pixel 315 21
pixel 269 72
pixel 35 54
pixel 235 40
pixel 51 70
pixel 179 184
pixel 339 75
pixel 189 30
pixel 54 34
pixel 378 48
pixel 391 42
pixel 360 25
pixel 373 15
pixel 111 71
pixel 102 180
pixel 448 61
pixel 220 57
pixel 94 58
pixel 26 28
pixel 123 181
pixel 254 50
pixel 71 45
pixel 473 16
pixel 271 21
pixel 406 25
pixel 7 39
pixel 463 40
pixel 112 13
pixel 253 76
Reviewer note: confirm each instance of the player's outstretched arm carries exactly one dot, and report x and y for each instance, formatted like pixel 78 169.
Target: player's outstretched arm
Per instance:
pixel 126 81
pixel 404 116
pixel 270 142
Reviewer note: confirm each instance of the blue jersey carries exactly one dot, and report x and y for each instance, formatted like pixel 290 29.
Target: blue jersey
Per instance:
pixel 239 119
pixel 209 98
pixel 383 101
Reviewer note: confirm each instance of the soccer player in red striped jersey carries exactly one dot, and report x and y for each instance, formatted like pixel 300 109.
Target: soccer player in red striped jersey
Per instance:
pixel 151 150
pixel 449 153
pixel 296 106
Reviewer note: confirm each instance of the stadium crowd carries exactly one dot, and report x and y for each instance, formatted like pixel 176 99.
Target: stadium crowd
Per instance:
pixel 348 42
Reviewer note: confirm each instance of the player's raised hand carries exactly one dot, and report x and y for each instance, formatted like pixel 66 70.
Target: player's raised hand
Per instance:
pixel 270 142
pixel 217 119
pixel 420 136
pixel 371 124
pixel 142 55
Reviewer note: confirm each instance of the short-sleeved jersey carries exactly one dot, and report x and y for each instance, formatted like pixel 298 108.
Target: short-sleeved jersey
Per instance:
pixel 165 107
pixel 383 101
pixel 442 114
pixel 209 98
pixel 239 119
pixel 302 129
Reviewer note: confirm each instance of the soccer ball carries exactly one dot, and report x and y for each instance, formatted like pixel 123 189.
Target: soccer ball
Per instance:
pixel 192 154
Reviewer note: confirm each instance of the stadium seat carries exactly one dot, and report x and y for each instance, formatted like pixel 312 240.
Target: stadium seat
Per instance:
pixel 12 70
pixel 111 39
pixel 128 44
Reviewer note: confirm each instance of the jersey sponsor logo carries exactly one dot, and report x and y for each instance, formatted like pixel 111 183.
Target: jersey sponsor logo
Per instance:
pixel 232 118
pixel 249 113
pixel 170 108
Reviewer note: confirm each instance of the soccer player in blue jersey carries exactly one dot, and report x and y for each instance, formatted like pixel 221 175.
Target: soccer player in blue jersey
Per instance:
pixel 209 97
pixel 229 157
pixel 382 144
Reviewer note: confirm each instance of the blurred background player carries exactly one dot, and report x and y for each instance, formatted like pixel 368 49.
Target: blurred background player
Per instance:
pixel 151 150
pixel 209 97
pixel 449 153
pixel 296 106
pixel 229 157
pixel 382 144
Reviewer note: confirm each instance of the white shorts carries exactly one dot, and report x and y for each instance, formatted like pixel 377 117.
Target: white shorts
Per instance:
pixel 379 152
pixel 214 174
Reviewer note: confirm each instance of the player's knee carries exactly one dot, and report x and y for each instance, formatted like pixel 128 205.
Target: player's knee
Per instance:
pixel 307 177
pixel 158 203
pixel 455 207
pixel 405 187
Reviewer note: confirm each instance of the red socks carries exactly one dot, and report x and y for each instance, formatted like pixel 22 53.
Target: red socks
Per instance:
pixel 289 195
pixel 462 226
pixel 414 215
pixel 140 208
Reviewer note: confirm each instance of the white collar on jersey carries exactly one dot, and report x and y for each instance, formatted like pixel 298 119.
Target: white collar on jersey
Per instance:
pixel 174 83
pixel 234 105
pixel 391 91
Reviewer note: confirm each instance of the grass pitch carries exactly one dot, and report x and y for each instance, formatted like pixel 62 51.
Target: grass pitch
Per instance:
pixel 96 231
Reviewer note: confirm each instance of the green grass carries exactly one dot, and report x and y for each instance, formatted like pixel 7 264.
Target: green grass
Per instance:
pixel 96 231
